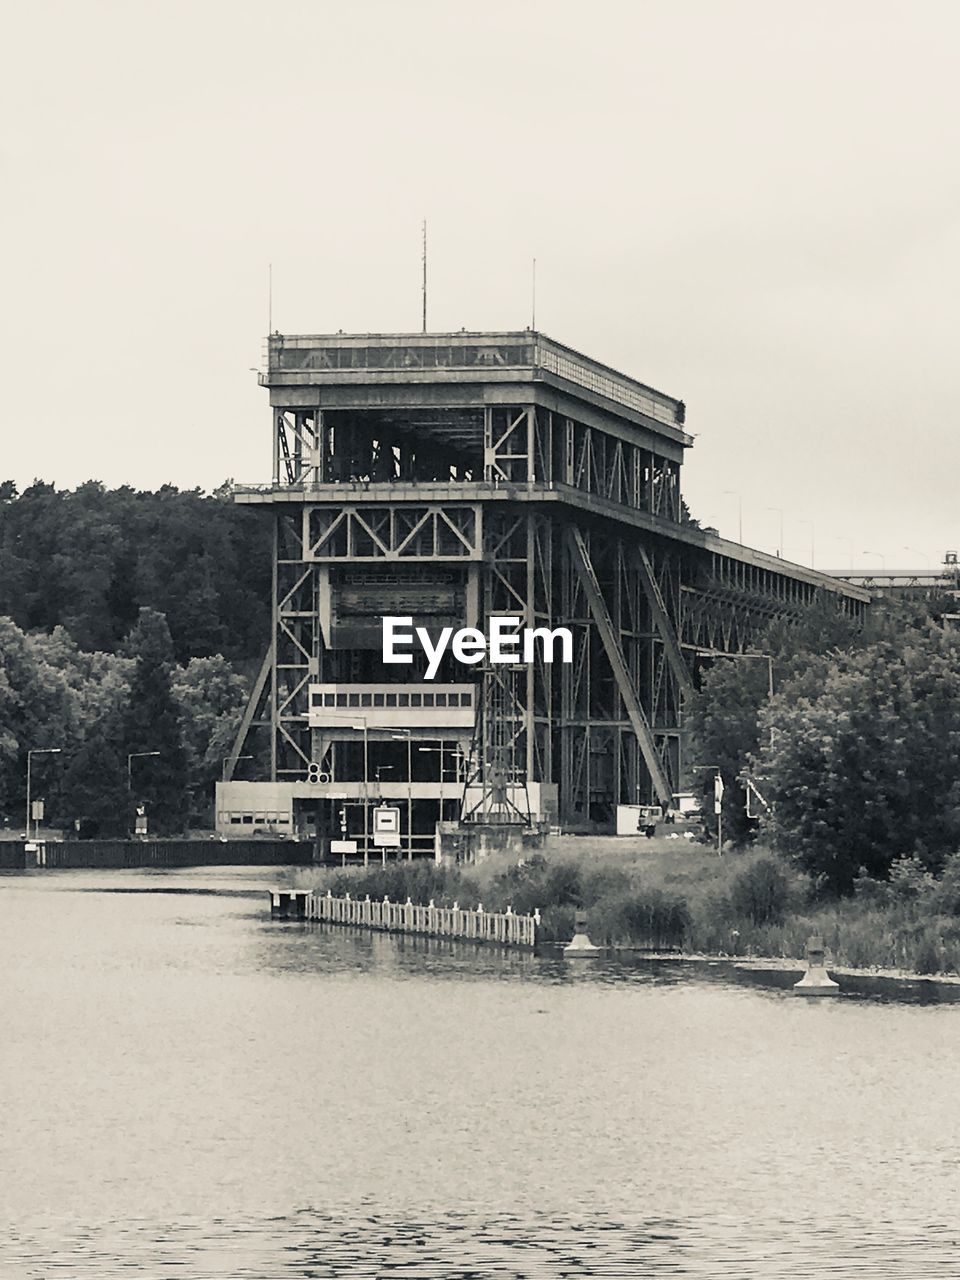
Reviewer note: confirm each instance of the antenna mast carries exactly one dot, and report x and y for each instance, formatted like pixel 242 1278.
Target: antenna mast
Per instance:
pixel 424 275
pixel 269 298
pixel 533 304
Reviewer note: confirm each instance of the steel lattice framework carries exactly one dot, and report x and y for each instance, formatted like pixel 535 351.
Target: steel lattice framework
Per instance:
pixel 466 476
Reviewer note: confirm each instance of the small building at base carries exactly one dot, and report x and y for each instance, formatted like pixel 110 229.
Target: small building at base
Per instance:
pixel 324 811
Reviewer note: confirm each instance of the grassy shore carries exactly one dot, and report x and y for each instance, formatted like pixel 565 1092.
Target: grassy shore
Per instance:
pixel 671 895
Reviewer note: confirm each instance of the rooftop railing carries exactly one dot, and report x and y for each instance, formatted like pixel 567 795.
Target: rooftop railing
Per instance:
pixel 327 356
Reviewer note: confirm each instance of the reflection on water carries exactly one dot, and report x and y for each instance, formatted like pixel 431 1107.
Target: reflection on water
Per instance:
pixel 237 1097
pixel 466 1245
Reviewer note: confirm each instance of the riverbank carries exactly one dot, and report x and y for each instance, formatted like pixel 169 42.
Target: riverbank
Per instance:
pixel 492 1078
pixel 668 896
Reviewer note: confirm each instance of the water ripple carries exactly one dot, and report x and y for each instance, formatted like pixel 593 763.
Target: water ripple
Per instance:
pixel 460 1246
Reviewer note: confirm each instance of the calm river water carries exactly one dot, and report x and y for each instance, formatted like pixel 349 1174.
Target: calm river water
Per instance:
pixel 191 1090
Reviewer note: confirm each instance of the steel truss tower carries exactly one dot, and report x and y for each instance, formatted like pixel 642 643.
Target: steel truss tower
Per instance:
pixel 454 478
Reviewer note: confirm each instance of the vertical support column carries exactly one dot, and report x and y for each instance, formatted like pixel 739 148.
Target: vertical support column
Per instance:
pixel 529 621
pixel 489 468
pixel 274 629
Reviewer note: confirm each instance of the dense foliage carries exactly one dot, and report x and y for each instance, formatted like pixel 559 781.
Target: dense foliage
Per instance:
pixel 129 623
pixel 89 559
pixel 858 751
pixel 864 764
pixel 100 708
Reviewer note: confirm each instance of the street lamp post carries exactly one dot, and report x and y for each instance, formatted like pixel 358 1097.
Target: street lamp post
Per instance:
pixel 457 772
pixel 739 497
pixel 769 661
pixel 812 543
pixel 749 653
pixel 849 542
pixel 135 755
pixel 779 511
pixel 439 751
pixel 36 751
pixel 360 722
pixel 226 761
pixel 915 552
pixel 408 734
pixel 717 799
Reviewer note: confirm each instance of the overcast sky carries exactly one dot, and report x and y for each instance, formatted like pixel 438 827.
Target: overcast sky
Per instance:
pixel 752 206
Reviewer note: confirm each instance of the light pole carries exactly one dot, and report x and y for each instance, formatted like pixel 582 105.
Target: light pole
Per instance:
pixel 812 547
pixel 915 552
pixel 749 653
pixel 769 660
pixel 779 511
pixel 434 751
pixel 849 542
pixel 408 734
pixel 36 751
pixel 739 497
pixel 882 559
pixel 360 722
pixel 717 797
pixel 226 761
pixel 439 751
pixel 135 755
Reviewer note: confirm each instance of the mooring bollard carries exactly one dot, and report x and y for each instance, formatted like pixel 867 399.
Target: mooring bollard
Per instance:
pixel 816 981
pixel 580 944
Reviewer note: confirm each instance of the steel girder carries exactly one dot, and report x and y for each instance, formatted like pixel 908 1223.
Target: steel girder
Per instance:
pixel 727 603
pixel 607 757
pixel 612 640
pixel 606 728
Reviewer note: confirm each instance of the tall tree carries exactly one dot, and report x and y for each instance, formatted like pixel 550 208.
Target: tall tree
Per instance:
pixel 723 720
pixel 210 697
pixel 152 724
pixel 37 709
pixel 863 763
pixel 94 794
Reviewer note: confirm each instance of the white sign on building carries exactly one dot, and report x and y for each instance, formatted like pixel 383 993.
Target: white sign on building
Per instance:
pixel 386 826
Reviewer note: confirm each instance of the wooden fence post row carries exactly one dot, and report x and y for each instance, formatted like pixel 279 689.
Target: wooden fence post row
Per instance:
pixel 504 927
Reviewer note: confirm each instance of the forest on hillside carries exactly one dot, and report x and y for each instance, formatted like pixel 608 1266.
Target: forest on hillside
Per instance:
pixel 88 559
pixel 130 621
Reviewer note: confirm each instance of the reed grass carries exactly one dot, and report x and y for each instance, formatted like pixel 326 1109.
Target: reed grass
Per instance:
pixel 687 899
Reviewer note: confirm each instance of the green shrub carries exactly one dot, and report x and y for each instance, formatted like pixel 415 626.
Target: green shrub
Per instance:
pixel 563 885
pixel 945 893
pixel 557 924
pixel 909 879
pixel 644 918
pixel 760 893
